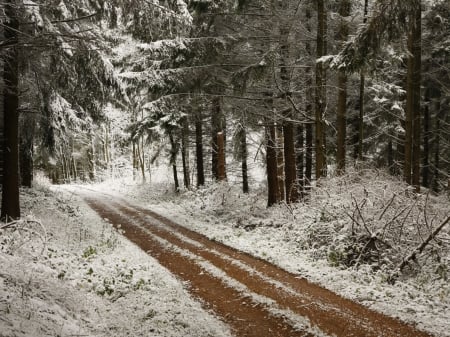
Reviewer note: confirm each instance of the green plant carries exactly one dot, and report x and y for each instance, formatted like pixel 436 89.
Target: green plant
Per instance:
pixel 89 251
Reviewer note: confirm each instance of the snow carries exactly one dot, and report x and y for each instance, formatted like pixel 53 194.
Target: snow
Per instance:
pixel 91 281
pixel 304 239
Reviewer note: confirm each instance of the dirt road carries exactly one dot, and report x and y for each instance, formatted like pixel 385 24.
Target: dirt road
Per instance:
pixel 254 297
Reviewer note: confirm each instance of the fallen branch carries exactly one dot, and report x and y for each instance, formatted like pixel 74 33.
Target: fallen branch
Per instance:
pixel 419 249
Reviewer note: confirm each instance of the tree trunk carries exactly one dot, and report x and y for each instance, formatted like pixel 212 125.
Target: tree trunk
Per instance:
pixel 280 162
pixel 309 110
pixel 244 154
pixel 10 190
pixel 411 169
pixel 271 160
pixel 426 143
pixel 221 175
pixel 91 158
pixel 320 95
pixel 185 153
pixel 216 127
pixel 416 83
pixel 300 158
pixel 290 174
pixel 308 155
pixel 362 81
pixel 26 151
pixel 437 148
pixel 344 12
pixel 199 149
pixel 173 160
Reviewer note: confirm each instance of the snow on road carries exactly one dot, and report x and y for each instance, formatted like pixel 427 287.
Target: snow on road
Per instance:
pixel 90 281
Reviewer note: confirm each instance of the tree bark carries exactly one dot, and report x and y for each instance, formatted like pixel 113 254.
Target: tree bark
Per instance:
pixel 411 169
pixel 280 162
pixel 320 95
pixel 271 159
pixel 10 190
pixel 290 174
pixel 199 149
pixel 344 12
pixel 173 160
pixel 416 105
pixel 244 154
pixel 221 175
pixel 426 143
pixel 300 158
pixel 216 127
pixel 362 83
pixel 26 151
pixel 185 153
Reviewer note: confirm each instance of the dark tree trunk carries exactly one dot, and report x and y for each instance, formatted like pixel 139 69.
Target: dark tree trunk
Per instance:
pixel 216 127
pixel 411 169
pixel 320 95
pixel 185 153
pixel 271 159
pixel 26 151
pixel 199 149
pixel 10 190
pixel 426 143
pixel 290 174
pixel 300 150
pixel 309 110
pixel 280 162
pixel 344 12
pixel 341 122
pixel 362 80
pixel 244 154
pixel 173 160
pixel 437 149
pixel 308 156
pixel 416 106
pixel 221 175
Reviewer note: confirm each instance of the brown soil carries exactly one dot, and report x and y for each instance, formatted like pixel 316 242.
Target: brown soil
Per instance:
pixel 325 310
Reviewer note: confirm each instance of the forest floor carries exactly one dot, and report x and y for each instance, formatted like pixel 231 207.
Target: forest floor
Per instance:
pixel 76 275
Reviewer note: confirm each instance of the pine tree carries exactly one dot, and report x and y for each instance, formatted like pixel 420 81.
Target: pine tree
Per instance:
pixel 10 190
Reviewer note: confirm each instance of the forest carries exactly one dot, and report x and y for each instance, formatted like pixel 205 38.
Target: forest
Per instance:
pixel 93 88
pixel 326 119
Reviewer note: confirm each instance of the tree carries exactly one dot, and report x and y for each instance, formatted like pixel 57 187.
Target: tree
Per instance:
pixel 391 21
pixel 413 99
pixel 320 91
pixel 344 12
pixel 10 190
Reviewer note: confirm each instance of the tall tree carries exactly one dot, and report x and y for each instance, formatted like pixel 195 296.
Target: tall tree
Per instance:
pixel 10 190
pixel 411 168
pixel 320 90
pixel 344 12
pixel 362 84
pixel 199 149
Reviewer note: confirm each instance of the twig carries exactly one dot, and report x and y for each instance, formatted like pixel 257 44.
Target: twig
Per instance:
pixel 418 250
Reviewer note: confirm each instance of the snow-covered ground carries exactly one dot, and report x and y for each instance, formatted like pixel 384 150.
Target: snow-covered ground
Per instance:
pixel 76 275
pixel 312 239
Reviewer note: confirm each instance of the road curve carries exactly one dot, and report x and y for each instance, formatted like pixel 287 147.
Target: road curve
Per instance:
pixel 256 298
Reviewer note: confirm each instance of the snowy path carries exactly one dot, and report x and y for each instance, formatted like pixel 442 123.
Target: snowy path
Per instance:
pixel 254 297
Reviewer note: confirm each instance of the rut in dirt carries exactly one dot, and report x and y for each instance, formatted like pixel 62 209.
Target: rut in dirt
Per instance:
pixel 256 298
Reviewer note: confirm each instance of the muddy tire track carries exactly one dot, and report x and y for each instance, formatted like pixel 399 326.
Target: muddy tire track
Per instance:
pixel 253 296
